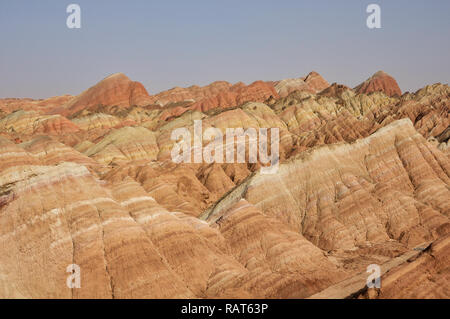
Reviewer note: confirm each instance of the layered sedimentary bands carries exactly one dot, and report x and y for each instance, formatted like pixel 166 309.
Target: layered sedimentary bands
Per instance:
pixel 364 178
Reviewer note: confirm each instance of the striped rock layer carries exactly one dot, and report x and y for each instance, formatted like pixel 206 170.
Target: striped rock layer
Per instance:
pixel 364 178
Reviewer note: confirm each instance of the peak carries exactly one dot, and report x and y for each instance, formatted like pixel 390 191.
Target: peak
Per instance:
pixel 114 90
pixel 380 82
pixel 316 81
pixel 312 73
pixel 380 74
pixel 116 76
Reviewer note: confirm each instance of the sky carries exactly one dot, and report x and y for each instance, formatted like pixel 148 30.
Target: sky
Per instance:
pixel 164 44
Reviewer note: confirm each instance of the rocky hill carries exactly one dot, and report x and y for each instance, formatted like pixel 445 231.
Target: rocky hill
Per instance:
pixel 363 178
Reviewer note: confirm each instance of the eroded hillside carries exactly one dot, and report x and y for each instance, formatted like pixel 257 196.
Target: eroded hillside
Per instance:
pixel 364 177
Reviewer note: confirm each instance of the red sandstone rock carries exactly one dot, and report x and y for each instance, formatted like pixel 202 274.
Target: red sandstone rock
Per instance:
pixel 316 81
pixel 114 90
pixel 380 81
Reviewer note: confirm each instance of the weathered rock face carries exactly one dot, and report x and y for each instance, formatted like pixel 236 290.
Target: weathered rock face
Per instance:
pixel 287 86
pixel 127 143
pixel 338 114
pixel 429 109
pixel 276 256
pixel 339 197
pixel 380 82
pixel 364 177
pixel 425 276
pixel 127 245
pixel 316 82
pixel 97 121
pixel 71 214
pixel 336 90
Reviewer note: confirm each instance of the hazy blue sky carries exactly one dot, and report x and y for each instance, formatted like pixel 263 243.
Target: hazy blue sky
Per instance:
pixel 179 43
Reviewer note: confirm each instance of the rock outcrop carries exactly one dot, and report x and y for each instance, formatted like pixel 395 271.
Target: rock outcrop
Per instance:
pixel 380 82
pixel 114 90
